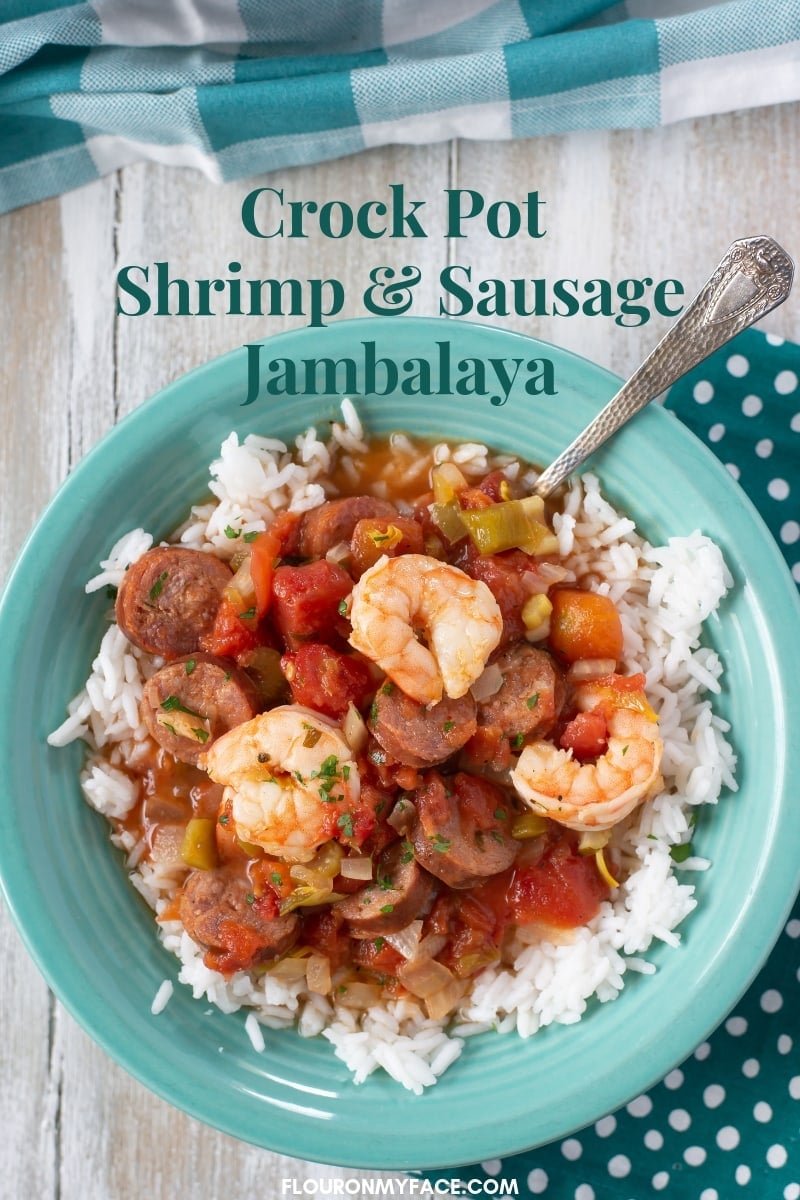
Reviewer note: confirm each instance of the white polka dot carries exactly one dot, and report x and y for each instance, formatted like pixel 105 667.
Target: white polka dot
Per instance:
pixel 794 1087
pixel 764 447
pixel 492 1166
pixel 717 432
pixel 785 1044
pixel 796 578
pixel 777 1156
pixel 793 928
pixel 771 1001
pixel 733 470
pixel 778 489
pixel 679 1119
pixel 742 1174
pixel 790 533
pixel 605 1127
pixel 695 1156
pixel 642 1106
pixel 584 1191
pixel 750 1068
pixel 752 406
pixel 738 365
pixel 702 1052
pixel 653 1140
pixel 674 1080
pixel 762 1112
pixel 537 1181
pixel 785 382
pixel 736 1026
pixel 703 391
pixel 713 1095
pixel 619 1166
pixel 775 339
pixel 709 1193
pixel 791 1191
pixel 794 424
pixel 660 1180
pixel 571 1149
pixel 728 1137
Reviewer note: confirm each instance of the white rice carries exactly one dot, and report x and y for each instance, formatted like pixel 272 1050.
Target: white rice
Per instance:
pixel 664 595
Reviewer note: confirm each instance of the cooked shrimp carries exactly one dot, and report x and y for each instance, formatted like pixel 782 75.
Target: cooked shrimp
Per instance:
pixel 291 779
pixel 596 795
pixel 458 617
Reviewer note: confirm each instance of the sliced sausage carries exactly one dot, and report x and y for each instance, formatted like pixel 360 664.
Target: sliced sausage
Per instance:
pixel 531 695
pixel 401 892
pixel 418 736
pixel 218 910
pixel 189 703
pixel 462 833
pixel 169 597
pixel 334 521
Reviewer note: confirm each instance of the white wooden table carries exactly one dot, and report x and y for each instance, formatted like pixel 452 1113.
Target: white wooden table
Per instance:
pixel 663 203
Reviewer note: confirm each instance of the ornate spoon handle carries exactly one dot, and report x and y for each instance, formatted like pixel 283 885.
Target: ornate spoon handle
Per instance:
pixel 754 277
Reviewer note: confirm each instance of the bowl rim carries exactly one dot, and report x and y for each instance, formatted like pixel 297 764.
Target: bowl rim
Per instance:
pixel 124 1056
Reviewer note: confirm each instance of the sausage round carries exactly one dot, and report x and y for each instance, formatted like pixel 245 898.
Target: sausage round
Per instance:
pixel 213 901
pixel 462 833
pixel 169 597
pixel 401 892
pixel 333 522
pixel 531 695
pixel 418 736
pixel 189 703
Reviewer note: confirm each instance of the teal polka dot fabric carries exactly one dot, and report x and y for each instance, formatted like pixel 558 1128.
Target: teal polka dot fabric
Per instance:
pixel 726 1122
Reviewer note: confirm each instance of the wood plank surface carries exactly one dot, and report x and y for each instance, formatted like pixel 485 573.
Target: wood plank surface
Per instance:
pixel 660 203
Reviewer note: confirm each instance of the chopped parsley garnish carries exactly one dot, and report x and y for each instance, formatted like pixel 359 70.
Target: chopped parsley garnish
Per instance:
pixel 190 665
pixel 227 676
pixel 251 536
pixel 224 819
pixel 448 725
pixel 171 728
pixel 345 823
pixel 385 883
pixel 533 700
pixel 342 608
pixel 499 814
pixel 680 853
pixel 387 908
pixel 346 776
pixel 439 843
pixel 250 898
pixel 498 837
pixel 276 877
pixel 156 589
pixel 624 750
pixel 408 853
pixel 373 712
pixel 230 532
pixel 202 735
pixel 387 688
pixel 247 615
pixel 379 943
pixel 173 704
pixel 516 741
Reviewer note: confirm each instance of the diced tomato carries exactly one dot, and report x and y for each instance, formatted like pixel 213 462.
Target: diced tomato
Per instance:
pixel 563 888
pixel 376 954
pixel 238 950
pixel 230 636
pixel 264 553
pixel 326 680
pixel 584 625
pixel 229 848
pixel 585 735
pixel 323 931
pixel 306 601
pixel 286 527
pixel 376 536
pixel 479 801
pixel 618 691
pixel 488 747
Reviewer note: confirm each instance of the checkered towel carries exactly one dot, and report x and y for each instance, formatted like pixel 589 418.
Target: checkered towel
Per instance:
pixel 238 88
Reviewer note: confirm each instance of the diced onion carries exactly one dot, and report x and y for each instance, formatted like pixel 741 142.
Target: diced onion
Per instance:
pixel 430 946
pixel 318 974
pixel 289 969
pixel 441 1003
pixel 354 729
pixel 359 995
pixel 584 669
pixel 602 867
pixel 402 815
pixel 338 553
pixel 593 840
pixel 488 683
pixel 406 941
pixel 424 977
pixel 356 868
pixel 242 586
pixel 447 481
pixel 536 612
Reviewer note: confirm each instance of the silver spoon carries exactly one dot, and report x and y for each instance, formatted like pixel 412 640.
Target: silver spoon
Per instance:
pixel 754 277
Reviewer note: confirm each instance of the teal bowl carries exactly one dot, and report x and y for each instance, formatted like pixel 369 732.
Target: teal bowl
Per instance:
pixel 93 938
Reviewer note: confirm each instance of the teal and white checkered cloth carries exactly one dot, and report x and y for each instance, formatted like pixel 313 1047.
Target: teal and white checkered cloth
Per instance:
pixel 234 88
